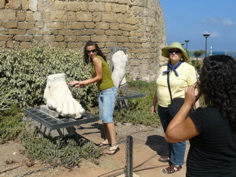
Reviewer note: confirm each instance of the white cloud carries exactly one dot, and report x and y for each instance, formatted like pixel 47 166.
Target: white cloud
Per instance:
pixel 215 34
pixel 217 21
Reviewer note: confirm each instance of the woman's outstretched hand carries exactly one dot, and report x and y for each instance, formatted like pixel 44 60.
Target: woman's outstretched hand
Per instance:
pixel 75 83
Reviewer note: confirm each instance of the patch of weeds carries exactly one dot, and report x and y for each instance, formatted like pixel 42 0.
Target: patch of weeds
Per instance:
pixel 138 110
pixel 68 151
pixel 10 124
pixel 9 161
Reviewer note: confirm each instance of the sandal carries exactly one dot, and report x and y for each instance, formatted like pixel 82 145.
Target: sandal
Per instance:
pixel 112 151
pixel 172 169
pixel 164 159
pixel 102 144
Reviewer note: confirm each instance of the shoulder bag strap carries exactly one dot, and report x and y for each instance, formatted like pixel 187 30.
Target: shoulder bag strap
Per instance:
pixel 168 82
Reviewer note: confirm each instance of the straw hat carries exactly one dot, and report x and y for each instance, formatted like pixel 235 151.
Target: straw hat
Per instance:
pixel 176 45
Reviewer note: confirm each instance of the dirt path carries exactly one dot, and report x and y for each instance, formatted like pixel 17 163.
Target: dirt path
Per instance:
pixel 148 145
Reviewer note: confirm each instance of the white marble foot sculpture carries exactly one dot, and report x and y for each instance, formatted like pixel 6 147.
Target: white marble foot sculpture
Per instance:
pixel 119 60
pixel 59 97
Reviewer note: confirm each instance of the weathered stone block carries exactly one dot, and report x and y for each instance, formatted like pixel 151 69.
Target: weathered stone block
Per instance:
pixel 122 39
pixel 44 32
pixel 46 16
pixel 25 25
pixel 60 5
pixel 109 17
pixel 33 5
pixel 55 25
pixel 47 5
pixel 32 32
pixel 71 16
pixel 134 62
pixel 118 8
pixel 72 45
pixel 55 32
pixel 20 16
pixel 16 4
pixel 84 16
pixel 6 37
pixel 70 38
pixel 48 38
pixel 97 16
pixel 102 25
pixel 33 16
pixel 2 43
pixel 112 39
pixel 59 44
pixel 25 4
pixel 59 38
pixel 100 32
pixel 4 31
pixel 9 24
pixel 58 16
pixel 125 27
pixel 83 39
pixel 87 32
pixel 65 32
pixel 16 32
pixel 38 37
pixel 23 38
pixel 89 25
pixel 39 25
pixel 72 6
pixel 114 26
pixel 113 32
pixel 96 7
pixel 77 25
pixel 7 15
pixel 2 4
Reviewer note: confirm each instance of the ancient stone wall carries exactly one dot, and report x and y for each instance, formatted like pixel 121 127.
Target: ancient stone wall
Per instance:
pixel 136 25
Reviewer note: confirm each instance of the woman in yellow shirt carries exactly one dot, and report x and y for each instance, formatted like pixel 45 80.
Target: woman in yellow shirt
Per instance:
pixel 181 75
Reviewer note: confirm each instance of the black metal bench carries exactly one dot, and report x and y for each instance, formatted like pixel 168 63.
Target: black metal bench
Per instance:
pixel 64 126
pixel 54 123
pixel 127 94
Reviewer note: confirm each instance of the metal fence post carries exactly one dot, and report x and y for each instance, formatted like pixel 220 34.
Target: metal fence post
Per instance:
pixel 129 157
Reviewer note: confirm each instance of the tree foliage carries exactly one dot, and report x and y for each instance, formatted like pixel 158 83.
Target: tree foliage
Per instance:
pixel 198 53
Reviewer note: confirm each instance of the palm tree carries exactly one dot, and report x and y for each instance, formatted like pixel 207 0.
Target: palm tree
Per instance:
pixel 198 53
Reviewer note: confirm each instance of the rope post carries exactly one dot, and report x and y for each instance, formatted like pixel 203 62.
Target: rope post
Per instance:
pixel 129 157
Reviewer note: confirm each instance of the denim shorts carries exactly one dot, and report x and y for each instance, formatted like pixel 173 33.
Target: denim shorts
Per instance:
pixel 107 101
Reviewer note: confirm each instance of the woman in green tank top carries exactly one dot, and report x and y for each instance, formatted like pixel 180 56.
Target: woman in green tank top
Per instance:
pixel 101 74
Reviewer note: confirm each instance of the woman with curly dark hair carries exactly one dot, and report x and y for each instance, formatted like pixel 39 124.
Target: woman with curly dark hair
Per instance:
pixel 210 130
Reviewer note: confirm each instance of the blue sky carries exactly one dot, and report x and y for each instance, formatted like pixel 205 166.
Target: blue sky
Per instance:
pixel 189 19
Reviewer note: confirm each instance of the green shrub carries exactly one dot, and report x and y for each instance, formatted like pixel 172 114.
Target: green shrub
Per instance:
pixel 23 73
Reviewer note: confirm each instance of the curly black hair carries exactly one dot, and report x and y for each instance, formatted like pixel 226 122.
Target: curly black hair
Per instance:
pixel 99 52
pixel 218 85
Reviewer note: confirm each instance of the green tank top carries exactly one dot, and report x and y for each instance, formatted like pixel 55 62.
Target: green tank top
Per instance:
pixel 106 81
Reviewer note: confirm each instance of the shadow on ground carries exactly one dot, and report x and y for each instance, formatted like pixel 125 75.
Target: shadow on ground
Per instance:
pixel 158 144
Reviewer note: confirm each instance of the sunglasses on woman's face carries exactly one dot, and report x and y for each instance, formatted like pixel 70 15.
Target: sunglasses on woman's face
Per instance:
pixel 91 51
pixel 175 51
